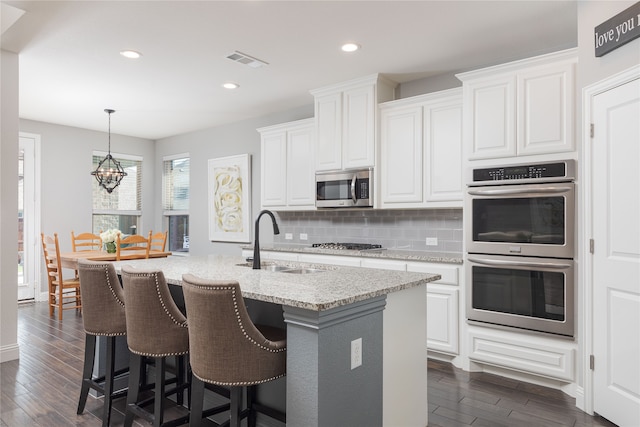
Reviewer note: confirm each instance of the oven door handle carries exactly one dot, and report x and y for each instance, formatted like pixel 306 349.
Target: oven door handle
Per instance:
pixel 502 263
pixel 353 189
pixel 515 191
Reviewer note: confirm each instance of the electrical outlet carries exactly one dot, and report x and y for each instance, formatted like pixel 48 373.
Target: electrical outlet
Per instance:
pixel 432 241
pixel 356 353
pixel 288 236
pixel 303 236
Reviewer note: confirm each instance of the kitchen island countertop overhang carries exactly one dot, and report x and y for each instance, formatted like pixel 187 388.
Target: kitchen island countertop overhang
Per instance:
pixel 329 288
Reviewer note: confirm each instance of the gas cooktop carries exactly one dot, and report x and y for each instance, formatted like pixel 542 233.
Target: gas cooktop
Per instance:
pixel 347 246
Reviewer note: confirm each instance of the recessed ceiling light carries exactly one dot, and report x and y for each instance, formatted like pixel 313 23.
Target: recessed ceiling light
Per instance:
pixel 131 54
pixel 231 85
pixel 350 47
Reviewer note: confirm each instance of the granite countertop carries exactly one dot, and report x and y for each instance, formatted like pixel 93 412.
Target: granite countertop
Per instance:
pixel 333 287
pixel 398 254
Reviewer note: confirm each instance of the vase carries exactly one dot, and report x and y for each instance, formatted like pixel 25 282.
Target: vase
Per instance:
pixel 111 247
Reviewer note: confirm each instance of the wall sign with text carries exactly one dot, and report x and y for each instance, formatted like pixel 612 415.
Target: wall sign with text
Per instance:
pixel 619 30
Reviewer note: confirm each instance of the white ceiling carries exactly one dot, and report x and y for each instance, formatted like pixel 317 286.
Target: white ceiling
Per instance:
pixel 71 70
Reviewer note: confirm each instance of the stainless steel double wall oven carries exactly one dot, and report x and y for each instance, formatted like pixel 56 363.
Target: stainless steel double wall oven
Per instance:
pixel 520 225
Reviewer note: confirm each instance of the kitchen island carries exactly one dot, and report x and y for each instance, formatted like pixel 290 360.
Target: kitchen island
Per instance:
pixel 355 337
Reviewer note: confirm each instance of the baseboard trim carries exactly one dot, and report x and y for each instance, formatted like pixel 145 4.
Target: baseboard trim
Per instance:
pixel 9 352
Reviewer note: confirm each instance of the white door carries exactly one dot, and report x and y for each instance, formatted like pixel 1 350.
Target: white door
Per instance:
pixel 28 255
pixel 616 259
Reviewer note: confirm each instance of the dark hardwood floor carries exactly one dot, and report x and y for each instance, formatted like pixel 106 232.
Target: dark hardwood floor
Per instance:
pixel 42 387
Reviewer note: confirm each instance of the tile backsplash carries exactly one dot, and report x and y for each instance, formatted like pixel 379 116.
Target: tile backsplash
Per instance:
pixel 393 229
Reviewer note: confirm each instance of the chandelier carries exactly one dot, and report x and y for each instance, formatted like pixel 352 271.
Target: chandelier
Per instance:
pixel 109 172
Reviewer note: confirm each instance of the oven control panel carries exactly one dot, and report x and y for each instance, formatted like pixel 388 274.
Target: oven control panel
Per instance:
pixel 554 171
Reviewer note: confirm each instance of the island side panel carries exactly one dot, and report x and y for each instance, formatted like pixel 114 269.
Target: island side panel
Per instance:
pixel 322 389
pixel 405 358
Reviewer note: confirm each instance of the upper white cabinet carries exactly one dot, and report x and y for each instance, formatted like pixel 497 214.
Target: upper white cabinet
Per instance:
pixel 346 122
pixel 287 166
pixel 421 151
pixel 520 108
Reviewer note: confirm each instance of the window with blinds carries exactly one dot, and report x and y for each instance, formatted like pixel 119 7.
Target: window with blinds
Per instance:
pixel 123 207
pixel 175 201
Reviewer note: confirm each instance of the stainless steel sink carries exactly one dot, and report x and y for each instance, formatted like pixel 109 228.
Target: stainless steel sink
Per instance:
pixel 273 267
pixel 284 268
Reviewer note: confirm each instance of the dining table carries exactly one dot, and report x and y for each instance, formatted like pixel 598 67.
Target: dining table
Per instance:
pixel 70 259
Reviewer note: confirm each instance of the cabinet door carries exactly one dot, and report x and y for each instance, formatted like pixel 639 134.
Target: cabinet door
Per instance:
pixel 401 157
pixel 300 168
pixel 545 110
pixel 328 112
pixel 442 318
pixel 443 151
pixel 358 127
pixel 274 169
pixel 490 117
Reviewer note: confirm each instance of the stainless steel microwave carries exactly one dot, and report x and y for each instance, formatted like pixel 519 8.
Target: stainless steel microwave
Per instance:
pixel 345 189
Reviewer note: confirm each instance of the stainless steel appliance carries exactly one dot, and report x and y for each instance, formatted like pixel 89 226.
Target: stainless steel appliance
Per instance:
pixel 345 189
pixel 519 232
pixel 522 292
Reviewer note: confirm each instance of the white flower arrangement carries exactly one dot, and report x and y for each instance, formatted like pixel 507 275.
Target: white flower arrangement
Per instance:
pixel 110 236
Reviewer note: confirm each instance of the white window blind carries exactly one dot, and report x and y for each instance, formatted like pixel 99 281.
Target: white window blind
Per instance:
pixel 175 201
pixel 175 183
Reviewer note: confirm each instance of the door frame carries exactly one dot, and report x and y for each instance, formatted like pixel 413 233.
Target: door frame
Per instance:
pixel 586 228
pixel 36 216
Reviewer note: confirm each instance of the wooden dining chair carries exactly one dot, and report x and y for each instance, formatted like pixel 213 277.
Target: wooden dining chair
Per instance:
pixel 85 242
pixel 135 242
pixel 159 241
pixel 64 293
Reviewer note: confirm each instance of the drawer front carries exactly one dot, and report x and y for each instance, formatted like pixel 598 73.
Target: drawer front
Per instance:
pixel 449 273
pixel 527 353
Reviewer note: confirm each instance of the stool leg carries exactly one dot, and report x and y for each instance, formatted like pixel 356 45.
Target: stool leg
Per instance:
pixel 135 367
pixel 158 403
pixel 197 400
pixel 108 380
pixel 236 405
pixel 251 397
pixel 87 371
pixel 180 379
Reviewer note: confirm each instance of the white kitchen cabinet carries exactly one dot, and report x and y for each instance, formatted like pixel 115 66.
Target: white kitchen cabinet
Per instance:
pixel 443 313
pixel 520 108
pixel 529 353
pixel 383 264
pixel 421 151
pixel 346 261
pixel 401 160
pixel 346 122
pixel 287 166
pixel 442 318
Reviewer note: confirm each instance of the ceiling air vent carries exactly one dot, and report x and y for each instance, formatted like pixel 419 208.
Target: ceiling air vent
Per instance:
pixel 245 59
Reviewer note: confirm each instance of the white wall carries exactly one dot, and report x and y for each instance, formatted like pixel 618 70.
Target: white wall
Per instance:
pixel 66 164
pixel 9 207
pixel 222 141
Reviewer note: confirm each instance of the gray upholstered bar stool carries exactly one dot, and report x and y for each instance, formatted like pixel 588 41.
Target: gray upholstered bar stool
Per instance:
pixel 226 348
pixel 155 329
pixel 102 315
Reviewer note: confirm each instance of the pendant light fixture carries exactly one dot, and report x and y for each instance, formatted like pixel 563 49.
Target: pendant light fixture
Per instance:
pixel 109 172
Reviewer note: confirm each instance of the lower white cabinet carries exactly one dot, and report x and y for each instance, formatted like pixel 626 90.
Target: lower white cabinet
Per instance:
pixel 442 318
pixel 442 306
pixel 545 356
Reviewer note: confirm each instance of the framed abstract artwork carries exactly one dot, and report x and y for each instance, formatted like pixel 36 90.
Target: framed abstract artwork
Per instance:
pixel 230 198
